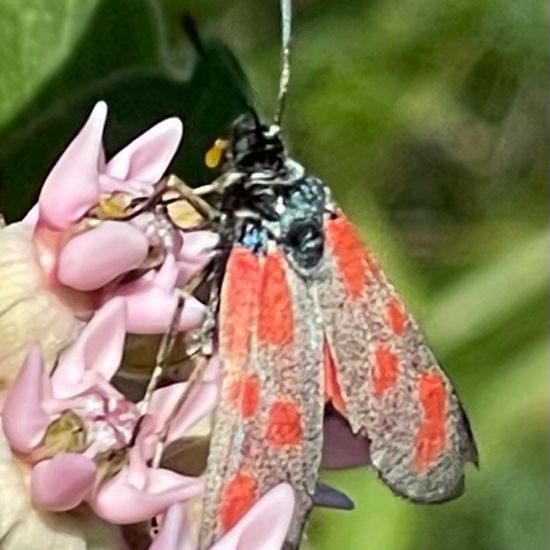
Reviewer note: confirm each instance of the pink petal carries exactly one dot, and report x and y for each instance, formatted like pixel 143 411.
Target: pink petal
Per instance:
pixel 71 187
pixel 212 373
pixel 197 244
pixel 148 156
pixel 96 257
pixel 63 482
pixel 265 525
pixel 187 269
pixel 23 419
pixel 160 481
pixel 96 354
pixel 167 274
pixel 109 184
pixel 150 309
pixel 197 250
pixel 139 492
pixel 201 401
pixel 174 531
pixel 31 217
pixel 117 501
pixel 163 402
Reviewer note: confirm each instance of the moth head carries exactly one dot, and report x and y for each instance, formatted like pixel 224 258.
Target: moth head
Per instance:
pixel 255 146
pixel 255 153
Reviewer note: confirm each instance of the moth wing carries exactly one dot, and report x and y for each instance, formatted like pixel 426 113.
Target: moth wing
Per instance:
pixel 268 425
pixel 384 379
pixel 237 309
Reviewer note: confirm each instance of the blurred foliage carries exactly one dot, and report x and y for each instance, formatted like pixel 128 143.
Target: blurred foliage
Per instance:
pixel 427 118
pixel 123 56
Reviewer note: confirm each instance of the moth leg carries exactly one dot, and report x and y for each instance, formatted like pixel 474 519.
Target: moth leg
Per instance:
pixel 164 351
pixel 120 206
pixel 326 496
pixel 189 194
pixel 214 187
pixel 205 349
pixel 195 377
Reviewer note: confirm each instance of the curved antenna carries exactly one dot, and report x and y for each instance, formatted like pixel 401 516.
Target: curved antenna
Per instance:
pixel 286 28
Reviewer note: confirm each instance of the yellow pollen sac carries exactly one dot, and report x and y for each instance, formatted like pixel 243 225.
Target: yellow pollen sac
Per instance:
pixel 109 463
pixel 65 434
pixel 113 206
pixel 214 155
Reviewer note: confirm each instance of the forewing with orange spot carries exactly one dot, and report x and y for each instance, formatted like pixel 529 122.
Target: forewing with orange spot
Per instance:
pixel 383 378
pixel 268 425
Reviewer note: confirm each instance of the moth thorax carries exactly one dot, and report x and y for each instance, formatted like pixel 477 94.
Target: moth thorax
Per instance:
pixel 304 243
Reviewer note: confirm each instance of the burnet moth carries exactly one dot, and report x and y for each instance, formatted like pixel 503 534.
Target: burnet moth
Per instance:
pixel 305 319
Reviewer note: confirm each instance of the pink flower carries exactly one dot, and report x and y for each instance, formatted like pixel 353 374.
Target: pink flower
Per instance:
pixel 263 527
pixel 81 176
pixel 76 249
pixel 86 259
pixel 86 442
pixel 24 527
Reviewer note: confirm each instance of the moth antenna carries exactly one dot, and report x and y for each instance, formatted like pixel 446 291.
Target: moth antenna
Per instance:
pixel 286 34
pixel 257 122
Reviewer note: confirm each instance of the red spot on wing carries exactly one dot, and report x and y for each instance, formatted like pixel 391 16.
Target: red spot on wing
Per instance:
pixel 284 424
pixel 431 437
pixel 349 253
pixel 234 391
pixel 384 371
pixel 239 298
pixel 333 393
pixel 373 265
pixel 396 316
pixel 275 320
pixel 238 496
pixel 244 393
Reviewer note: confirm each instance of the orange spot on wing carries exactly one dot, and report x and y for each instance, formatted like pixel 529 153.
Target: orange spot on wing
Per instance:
pixel 275 320
pixel 373 264
pixel 349 253
pixel 234 391
pixel 238 496
pixel 239 298
pixel 431 437
pixel 284 425
pixel 396 316
pixel 244 393
pixel 384 372
pixel 332 386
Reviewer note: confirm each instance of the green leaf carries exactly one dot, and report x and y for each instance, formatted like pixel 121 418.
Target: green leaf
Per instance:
pixel 370 525
pixel 121 58
pixel 36 40
pixel 487 296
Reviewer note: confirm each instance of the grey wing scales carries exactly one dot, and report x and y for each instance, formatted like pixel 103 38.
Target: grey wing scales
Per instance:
pixel 268 426
pixel 386 379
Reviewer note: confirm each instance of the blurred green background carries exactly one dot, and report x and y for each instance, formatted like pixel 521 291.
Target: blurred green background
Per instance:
pixel 427 117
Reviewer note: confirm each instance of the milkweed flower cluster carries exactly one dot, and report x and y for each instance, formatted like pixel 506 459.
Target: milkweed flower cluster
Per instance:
pixel 77 275
pixel 64 261
pixel 86 441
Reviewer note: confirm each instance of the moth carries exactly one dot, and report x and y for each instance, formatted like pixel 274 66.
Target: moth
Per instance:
pixel 305 319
